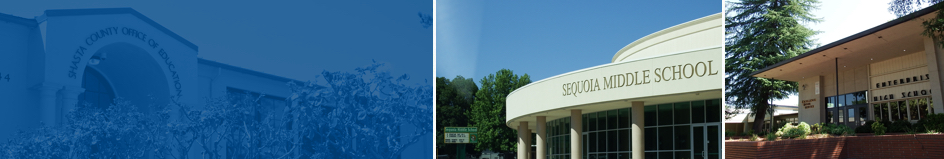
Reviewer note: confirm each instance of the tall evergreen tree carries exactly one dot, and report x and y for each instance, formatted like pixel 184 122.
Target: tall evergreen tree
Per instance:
pixel 760 33
pixel 488 112
pixel 453 99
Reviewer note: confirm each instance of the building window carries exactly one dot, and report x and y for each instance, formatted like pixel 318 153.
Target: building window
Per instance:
pixel 98 92
pixel 912 109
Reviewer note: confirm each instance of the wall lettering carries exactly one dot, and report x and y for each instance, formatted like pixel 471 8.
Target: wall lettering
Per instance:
pixel 903 80
pixel 659 74
pixel 807 104
pixel 79 53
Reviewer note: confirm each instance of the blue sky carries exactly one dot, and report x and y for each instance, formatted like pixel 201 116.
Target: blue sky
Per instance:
pixel 544 39
pixel 295 39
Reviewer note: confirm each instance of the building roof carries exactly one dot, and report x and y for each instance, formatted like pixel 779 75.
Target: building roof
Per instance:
pixel 247 71
pixel 18 20
pixel 103 11
pixel 854 37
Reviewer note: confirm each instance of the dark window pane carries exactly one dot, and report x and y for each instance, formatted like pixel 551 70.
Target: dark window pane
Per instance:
pixel 698 112
pixel 683 154
pixel 624 156
pixel 877 110
pixel 903 110
pixel 913 109
pixel 611 143
pixel 682 114
pixel 585 145
pixel 829 116
pixel 682 137
pixel 885 112
pixel 665 155
pixel 863 115
pixel 830 102
pixel 923 107
pixel 665 138
pixel 624 142
pixel 651 136
pixel 593 122
pixel 713 110
pixel 584 125
pixel 592 142
pixel 650 115
pixel 840 100
pixel 652 155
pixel 665 114
pixel 601 142
pixel 624 118
pixel 850 98
pixel 611 156
pixel 611 120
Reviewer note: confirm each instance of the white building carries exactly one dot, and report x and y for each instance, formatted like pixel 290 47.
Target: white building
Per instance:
pixel 660 97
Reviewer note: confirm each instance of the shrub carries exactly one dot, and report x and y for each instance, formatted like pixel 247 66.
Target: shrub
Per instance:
pixel 935 122
pixel 899 126
pixel 790 131
pixel 865 128
pixel 878 128
pixel 771 137
pixel 753 137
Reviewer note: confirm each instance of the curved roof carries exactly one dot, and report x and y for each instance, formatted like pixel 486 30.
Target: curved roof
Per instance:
pixel 673 39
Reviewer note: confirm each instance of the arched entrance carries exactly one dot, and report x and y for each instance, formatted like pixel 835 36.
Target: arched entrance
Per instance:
pixel 124 71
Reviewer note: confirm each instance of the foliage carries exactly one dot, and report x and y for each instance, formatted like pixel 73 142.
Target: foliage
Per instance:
pixel 827 128
pixel 358 115
pixel 771 137
pixel 453 99
pixel 878 128
pixel 935 122
pixel 753 137
pixel 760 33
pixel 790 131
pixel 488 111
pixel 899 126
pixel 865 128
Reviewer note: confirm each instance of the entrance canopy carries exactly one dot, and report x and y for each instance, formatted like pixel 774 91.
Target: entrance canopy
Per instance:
pixel 895 38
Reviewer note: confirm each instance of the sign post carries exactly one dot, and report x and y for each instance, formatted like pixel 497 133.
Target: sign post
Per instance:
pixel 462 136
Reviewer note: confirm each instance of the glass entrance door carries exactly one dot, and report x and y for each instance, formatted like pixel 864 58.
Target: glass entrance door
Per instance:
pixel 706 141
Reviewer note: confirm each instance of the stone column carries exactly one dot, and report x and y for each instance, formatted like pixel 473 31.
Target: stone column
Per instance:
pixel 523 145
pixel 47 103
pixel 70 97
pixel 638 129
pixel 934 52
pixel 576 133
pixel 541 140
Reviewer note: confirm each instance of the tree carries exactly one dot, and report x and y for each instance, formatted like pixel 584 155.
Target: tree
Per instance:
pixel 453 99
pixel 933 28
pixel 760 33
pixel 488 111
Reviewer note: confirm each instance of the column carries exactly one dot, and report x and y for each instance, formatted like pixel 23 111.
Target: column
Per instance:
pixel 576 133
pixel 541 138
pixel 933 52
pixel 70 97
pixel 523 145
pixel 47 103
pixel 638 129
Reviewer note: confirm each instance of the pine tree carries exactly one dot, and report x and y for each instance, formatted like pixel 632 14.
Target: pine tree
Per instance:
pixel 760 33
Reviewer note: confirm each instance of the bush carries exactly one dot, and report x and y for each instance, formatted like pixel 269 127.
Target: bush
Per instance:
pixel 878 128
pixel 935 122
pixel 753 137
pixel 899 126
pixel 790 131
pixel 771 137
pixel 866 128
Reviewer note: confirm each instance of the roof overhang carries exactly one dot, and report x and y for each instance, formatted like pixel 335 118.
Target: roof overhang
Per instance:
pixel 102 11
pixel 892 39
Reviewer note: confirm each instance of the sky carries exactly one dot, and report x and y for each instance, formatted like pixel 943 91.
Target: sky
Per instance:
pixel 294 39
pixel 843 18
pixel 545 39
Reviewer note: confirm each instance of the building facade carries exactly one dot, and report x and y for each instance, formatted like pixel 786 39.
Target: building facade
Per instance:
pixel 889 72
pixel 660 97
pixel 52 62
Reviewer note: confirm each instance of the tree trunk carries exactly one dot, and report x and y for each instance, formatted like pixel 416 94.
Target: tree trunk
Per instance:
pixel 760 111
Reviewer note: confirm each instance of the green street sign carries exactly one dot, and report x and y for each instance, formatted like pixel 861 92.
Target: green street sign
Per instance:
pixel 460 135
